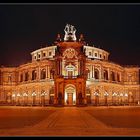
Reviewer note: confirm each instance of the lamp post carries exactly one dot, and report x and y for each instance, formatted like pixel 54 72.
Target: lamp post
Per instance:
pixel 13 98
pixel 106 95
pixel 96 98
pixel 126 98
pixel 18 99
pixel 121 95
pixel 25 95
pixel 46 96
pixel 34 98
pixel 114 96
pixel 43 98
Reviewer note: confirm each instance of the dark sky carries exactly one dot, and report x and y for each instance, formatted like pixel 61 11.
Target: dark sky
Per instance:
pixel 25 28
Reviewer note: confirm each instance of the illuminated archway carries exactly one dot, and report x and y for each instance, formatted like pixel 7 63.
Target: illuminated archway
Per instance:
pixel 70 95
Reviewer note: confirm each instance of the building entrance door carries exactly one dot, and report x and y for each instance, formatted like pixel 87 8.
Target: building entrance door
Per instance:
pixel 70 95
pixel 70 99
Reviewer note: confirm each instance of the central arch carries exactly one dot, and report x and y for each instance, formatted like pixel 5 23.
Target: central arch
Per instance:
pixel 70 95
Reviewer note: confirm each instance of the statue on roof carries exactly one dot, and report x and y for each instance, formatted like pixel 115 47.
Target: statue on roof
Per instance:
pixel 69 33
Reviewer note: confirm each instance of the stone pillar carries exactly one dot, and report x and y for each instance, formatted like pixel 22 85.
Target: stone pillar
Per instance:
pixel 41 55
pixel 115 76
pixel 60 67
pixel 23 73
pixel 108 74
pixel 90 71
pixel 79 68
pixel 46 72
pixel 93 76
pixel 100 73
pixel 49 72
pixel 19 76
pixel 39 73
pixel 120 77
pixel 30 75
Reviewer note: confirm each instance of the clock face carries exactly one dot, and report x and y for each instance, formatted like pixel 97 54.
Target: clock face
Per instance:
pixel 70 53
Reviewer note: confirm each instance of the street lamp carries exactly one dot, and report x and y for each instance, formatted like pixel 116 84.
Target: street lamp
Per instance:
pixel 114 96
pixel 121 95
pixel 43 98
pixel 106 95
pixel 34 96
pixel 126 97
pixel 96 94
pixel 25 95
pixel 18 95
pixel 13 98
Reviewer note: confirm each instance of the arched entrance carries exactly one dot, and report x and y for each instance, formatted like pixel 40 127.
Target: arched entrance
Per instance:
pixel 70 95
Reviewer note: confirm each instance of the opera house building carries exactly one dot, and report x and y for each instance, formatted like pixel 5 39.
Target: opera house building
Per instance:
pixel 69 73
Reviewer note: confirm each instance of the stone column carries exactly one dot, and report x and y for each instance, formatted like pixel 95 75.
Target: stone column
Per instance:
pixel 116 76
pixel 46 72
pixel 41 55
pixel 120 77
pixel 79 67
pixel 19 76
pixel 100 73
pixel 61 67
pixel 30 75
pixel 23 73
pixel 58 66
pixel 93 76
pixel 38 73
pixel 49 72
pixel 108 74
pixel 90 71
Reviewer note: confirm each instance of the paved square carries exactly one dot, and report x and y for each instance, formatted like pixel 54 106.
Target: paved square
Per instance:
pixel 69 121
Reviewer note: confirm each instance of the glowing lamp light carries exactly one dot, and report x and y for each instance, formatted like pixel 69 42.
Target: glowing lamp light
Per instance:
pixel 42 94
pixel 106 94
pixel 33 94
pixel 96 94
pixel 45 93
pixel 126 95
pixel 114 94
pixel 25 94
pixel 18 95
pixel 13 95
pixel 121 94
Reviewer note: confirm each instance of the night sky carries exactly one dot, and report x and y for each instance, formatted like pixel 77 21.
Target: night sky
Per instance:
pixel 25 28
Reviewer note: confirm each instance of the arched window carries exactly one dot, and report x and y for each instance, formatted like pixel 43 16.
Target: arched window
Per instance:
pixel 21 78
pixel 34 75
pixel 112 76
pixel 26 76
pixel 70 70
pixel 105 74
pixel 43 74
pixel 96 73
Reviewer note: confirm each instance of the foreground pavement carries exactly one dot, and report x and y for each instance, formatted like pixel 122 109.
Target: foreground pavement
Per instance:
pixel 72 121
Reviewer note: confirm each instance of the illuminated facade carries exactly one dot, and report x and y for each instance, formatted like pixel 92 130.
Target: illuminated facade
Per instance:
pixel 69 73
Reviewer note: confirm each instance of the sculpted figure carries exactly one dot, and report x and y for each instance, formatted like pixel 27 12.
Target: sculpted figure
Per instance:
pixel 69 33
